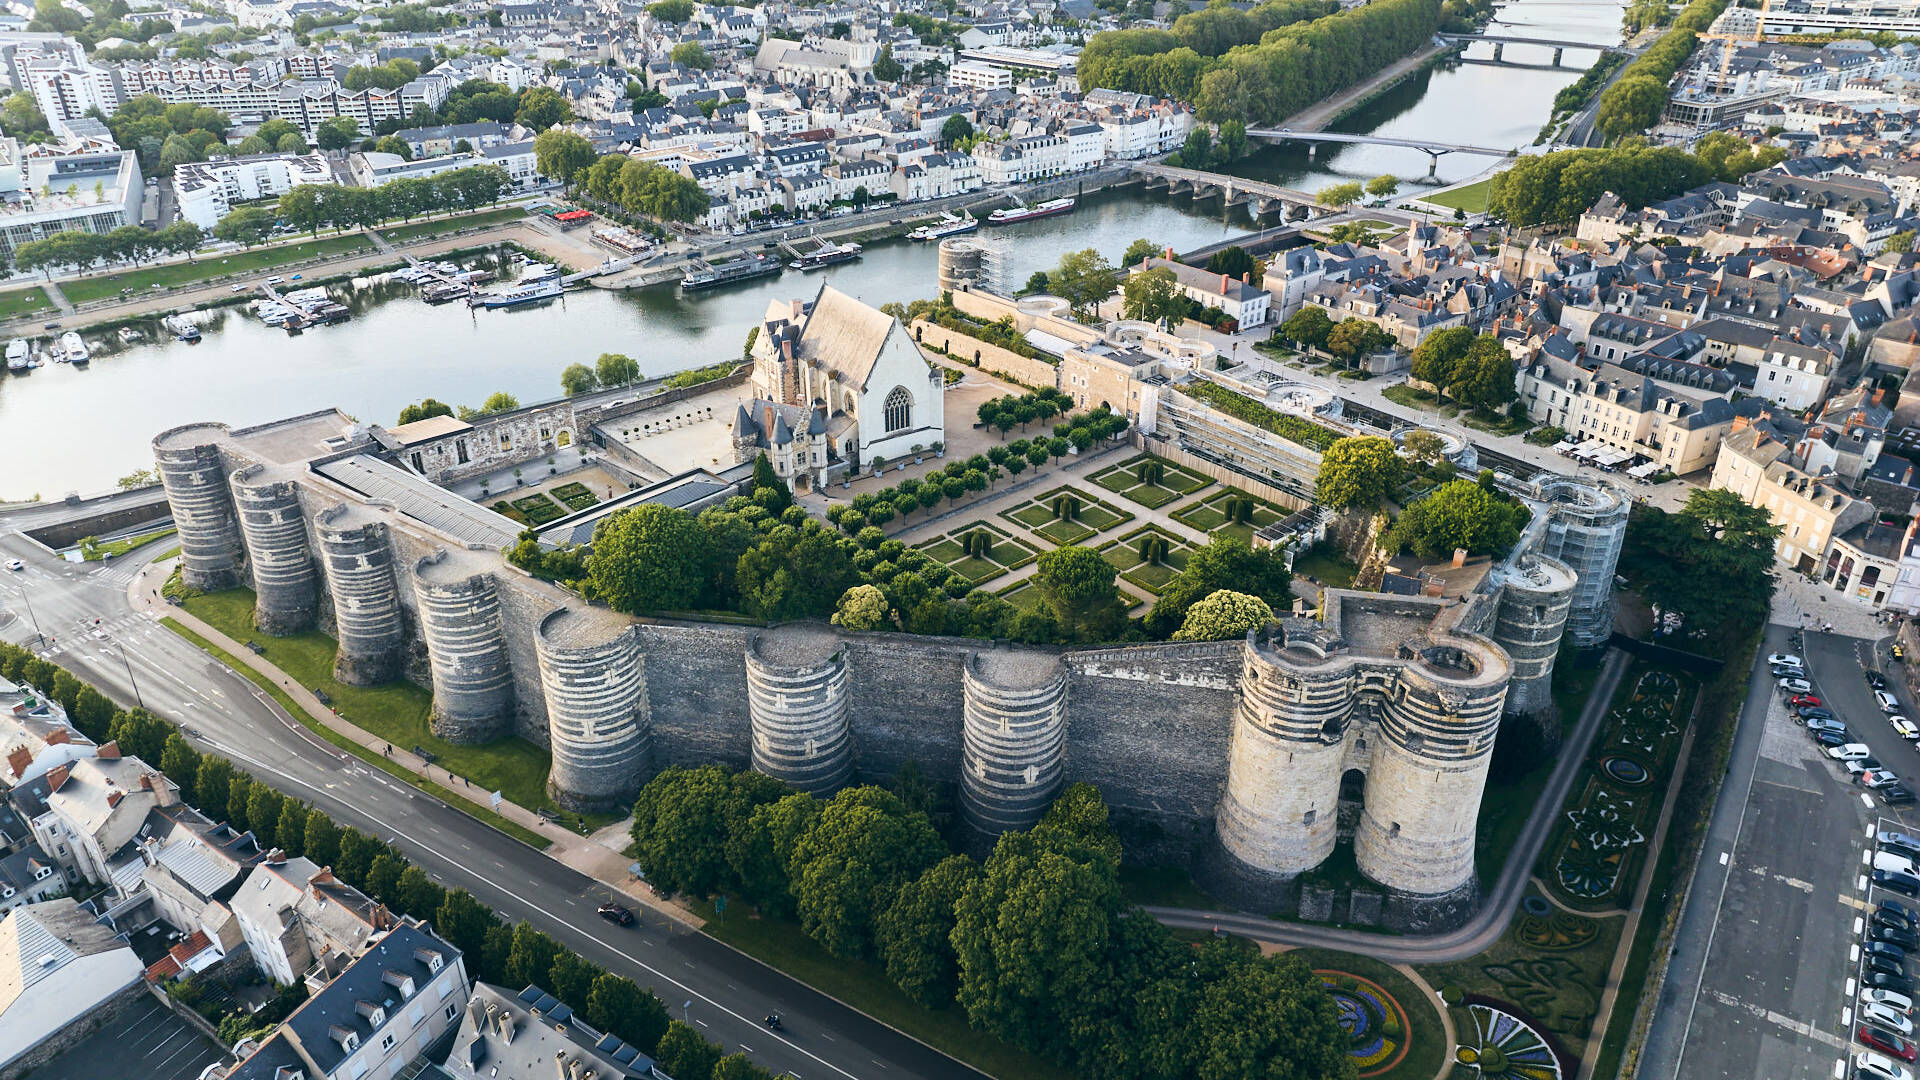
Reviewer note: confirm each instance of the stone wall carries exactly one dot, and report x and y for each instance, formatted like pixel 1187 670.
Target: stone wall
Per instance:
pixel 986 356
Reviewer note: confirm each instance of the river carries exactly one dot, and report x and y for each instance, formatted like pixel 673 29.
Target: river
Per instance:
pixel 66 429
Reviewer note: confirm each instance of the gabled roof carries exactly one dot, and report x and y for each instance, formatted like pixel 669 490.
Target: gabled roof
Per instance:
pixel 844 335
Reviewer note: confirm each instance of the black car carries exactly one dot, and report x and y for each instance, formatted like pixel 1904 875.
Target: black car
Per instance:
pixel 1783 671
pixel 1831 738
pixel 1886 965
pixel 616 914
pixel 1814 712
pixel 1898 882
pixel 1897 795
pixel 1894 909
pixel 1880 980
pixel 1895 935
pixel 1876 680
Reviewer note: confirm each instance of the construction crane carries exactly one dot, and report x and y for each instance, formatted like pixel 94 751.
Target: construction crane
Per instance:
pixel 1727 39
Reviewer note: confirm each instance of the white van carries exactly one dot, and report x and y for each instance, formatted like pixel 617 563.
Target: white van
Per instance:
pixel 1888 703
pixel 1898 864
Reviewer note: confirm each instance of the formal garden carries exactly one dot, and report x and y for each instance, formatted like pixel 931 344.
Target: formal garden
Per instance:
pixel 1148 557
pixel 1393 1026
pixel 1230 511
pixel 979 551
pixel 1066 515
pixel 1149 481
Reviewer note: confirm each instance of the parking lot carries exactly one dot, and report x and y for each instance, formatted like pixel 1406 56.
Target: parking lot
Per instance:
pixel 147 1041
pixel 1776 993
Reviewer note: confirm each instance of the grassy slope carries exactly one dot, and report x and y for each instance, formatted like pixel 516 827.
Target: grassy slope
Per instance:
pixel 104 286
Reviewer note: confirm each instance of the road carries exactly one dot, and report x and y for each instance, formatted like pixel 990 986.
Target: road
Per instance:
pixel 1761 975
pixel 727 992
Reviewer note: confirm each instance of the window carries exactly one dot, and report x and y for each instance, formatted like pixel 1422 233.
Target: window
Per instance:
pixel 386 1041
pixel 452 1010
pixel 899 409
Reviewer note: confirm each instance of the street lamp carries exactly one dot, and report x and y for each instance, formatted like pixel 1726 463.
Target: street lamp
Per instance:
pixel 137 701
pixel 686 1011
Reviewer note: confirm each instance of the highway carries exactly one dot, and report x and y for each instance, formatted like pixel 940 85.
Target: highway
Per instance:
pixel 723 993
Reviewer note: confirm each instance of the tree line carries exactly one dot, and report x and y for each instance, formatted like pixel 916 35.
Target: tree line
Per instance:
pixel 497 951
pixel 1035 944
pixel 1264 80
pixel 638 187
pixel 1560 186
pixel 128 244
pixel 1635 102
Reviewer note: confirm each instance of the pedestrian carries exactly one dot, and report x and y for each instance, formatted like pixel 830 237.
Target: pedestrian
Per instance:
pixel 389 750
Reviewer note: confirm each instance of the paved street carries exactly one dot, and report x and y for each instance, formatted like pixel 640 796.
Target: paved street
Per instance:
pixel 728 992
pixel 1762 969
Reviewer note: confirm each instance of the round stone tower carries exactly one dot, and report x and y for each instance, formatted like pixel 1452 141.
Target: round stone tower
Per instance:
pixel 1536 593
pixel 1279 813
pixel 598 725
pixel 1014 738
pixel 1437 729
pixel 366 600
pixel 460 619
pixel 285 585
pixel 797 701
pixel 1587 528
pixel 195 476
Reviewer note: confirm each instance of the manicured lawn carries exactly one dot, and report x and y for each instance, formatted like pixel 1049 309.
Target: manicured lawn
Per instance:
pixel 17 302
pixel 1210 515
pixel 1129 480
pixel 1088 517
pixel 1325 566
pixel 865 986
pixel 105 286
pixel 402 234
pixel 575 495
pixel 396 712
pixel 1023 596
pixel 1425 1037
pixel 536 508
pixel 1004 553
pixel 1470 197
pixel 1124 554
pixel 117 548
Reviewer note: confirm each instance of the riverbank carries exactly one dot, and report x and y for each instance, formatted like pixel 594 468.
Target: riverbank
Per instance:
pixel 1323 114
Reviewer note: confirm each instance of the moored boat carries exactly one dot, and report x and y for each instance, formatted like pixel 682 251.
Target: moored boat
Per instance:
pixel 1013 214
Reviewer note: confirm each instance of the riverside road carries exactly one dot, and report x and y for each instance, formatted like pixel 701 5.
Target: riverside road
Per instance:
pixel 722 992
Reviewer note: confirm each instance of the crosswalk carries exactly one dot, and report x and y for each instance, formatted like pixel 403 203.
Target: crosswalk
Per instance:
pixel 96 636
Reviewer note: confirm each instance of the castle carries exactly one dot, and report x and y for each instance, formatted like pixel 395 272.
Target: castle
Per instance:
pixel 1239 757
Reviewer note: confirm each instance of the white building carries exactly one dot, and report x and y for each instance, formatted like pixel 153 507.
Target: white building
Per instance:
pixel 95 191
pixel 372 168
pixel 66 90
pixel 1245 302
pixel 207 190
pixel 975 75
pixel 58 967
pixel 1793 375
pixel 294 915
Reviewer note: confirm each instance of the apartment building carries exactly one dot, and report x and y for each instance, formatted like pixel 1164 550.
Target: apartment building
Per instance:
pixel 207 190
pixel 1758 465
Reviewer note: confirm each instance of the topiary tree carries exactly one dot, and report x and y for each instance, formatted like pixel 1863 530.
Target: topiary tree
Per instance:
pixel 1223 616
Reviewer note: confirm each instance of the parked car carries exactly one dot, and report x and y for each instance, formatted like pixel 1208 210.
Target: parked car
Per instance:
pixel 1784 658
pixel 1895 836
pixel 237 288
pixel 1888 703
pixel 616 914
pixel 1795 685
pixel 1876 680
pixel 1900 849
pixel 1852 751
pixel 1874 1066
pixel 1897 795
pixel 1885 965
pixel 1825 723
pixel 1897 911
pixel 1879 980
pixel 1886 1042
pixel 1903 727
pixel 1897 864
pixel 1886 949
pixel 1855 768
pixel 1876 779
pixel 1812 713
pixel 1830 739
pixel 1899 1003
pixel 1904 884
pixel 1804 699
pixel 1789 671
pixel 1887 1015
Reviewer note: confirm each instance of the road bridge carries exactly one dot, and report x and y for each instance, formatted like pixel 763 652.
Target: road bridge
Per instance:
pixel 1262 197
pixel 1559 46
pixel 1433 149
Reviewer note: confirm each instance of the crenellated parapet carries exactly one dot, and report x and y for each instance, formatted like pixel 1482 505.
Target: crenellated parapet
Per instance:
pixel 797 697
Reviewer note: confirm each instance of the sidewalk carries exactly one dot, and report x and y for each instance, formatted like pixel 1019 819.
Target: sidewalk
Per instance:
pixel 593 856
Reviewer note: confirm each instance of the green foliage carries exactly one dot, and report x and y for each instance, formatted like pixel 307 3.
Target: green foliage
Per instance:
pixel 1227 562
pixel 956 128
pixel 683 819
pixel 1708 564
pixel 1139 251
pixel 1459 515
pixel 1224 616
pixel 615 1005
pixel 1342 194
pixel 684 1052
pixel 1077 589
pixel 1308 326
pixel 777 497
pixel 845 869
pixel 1154 295
pixel 692 55
pixel 863 607
pixel 649 558
pixel 1240 407
pixel 914 934
pixel 1357 472
pixel 1629 105
pixel 578 379
pixel 681 380
pixel 563 155
pixel 1083 278
pixel 796 573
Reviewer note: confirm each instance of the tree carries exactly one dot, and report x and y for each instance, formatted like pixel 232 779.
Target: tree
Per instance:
pixel 739 1067
pixel 564 155
pixel 1355 338
pixel 1233 262
pixel 648 558
pixel 1436 359
pixel 291 143
pixel 263 812
pixel 1359 471
pixel 180 762
pixel 320 839
pixel 290 829
pixel 336 134
pixel 578 379
pixel 1308 326
pixel 692 55
pixel 246 225
pixel 395 145
pixel 851 861
pixel 210 786
pixel 1633 104
pixel 885 68
pixel 177 151
pixel 683 1052
pixel 541 107
pixel 1083 278
pixel 572 977
pixel 1709 564
pixel 1227 562
pixel 616 369
pixel 464 922
pixel 301 206
pixel 1900 242
pixel 777 497
pixel 957 128
pixel 531 957
pixel 1484 378
pixel 140 734
pixel 426 409
pixel 1459 515
pixel 1224 616
pixel 1341 195
pixel 915 932
pixel 1153 295
pixel 1140 251
pixel 1267 1016
pixel 1383 186
pixel 797 573
pixel 761 852
pixel 671 11
pixel 417 895
pixel 1036 283
pixel 1076 587
pixel 684 818
pixel 383 878
pixel 1424 447
pixel 616 1006
pixel 862 607
pixel 498 402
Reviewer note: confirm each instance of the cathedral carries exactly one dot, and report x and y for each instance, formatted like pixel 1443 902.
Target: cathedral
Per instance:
pixel 838 387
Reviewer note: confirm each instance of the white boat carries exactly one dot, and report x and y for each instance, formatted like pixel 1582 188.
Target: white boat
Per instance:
pixel 75 348
pixel 19 356
pixel 1027 213
pixel 544 287
pixel 182 328
pixel 948 225
pixel 128 335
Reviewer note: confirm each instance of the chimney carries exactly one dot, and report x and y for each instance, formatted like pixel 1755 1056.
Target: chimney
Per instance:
pixel 58 737
pixel 574 1069
pixel 504 1024
pixel 1169 254
pixel 477 1014
pixel 1459 558
pixel 1224 279
pixel 109 752
pixel 57 777
pixel 17 760
pixel 560 1065
pixel 114 797
pixel 164 793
